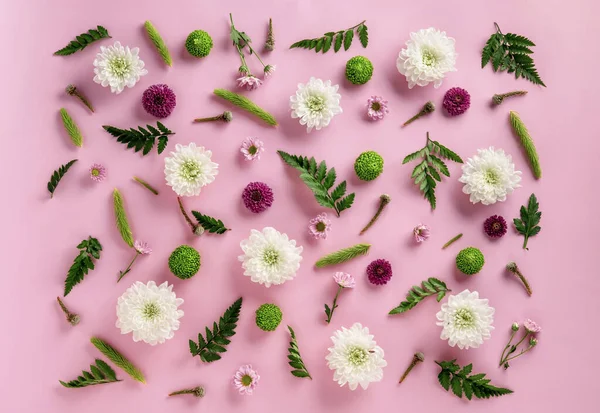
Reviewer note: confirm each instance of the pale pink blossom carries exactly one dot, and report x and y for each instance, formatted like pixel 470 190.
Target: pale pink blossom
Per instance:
pixel 319 226
pixel 252 148
pixel 245 380
pixel 142 247
pixel 421 233
pixel 249 82
pixel 344 280
pixel 531 326
pixel 377 108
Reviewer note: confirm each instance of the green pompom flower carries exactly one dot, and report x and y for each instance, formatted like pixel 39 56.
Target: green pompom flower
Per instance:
pixel 184 262
pixel 268 317
pixel 199 43
pixel 368 165
pixel 470 261
pixel 359 70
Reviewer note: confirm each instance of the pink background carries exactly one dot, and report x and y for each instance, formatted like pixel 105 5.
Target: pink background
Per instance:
pixel 40 234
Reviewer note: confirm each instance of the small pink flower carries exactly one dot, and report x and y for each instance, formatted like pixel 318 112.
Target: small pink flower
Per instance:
pixel 532 326
pixel 344 280
pixel 142 247
pixel 269 69
pixel 377 108
pixel 252 148
pixel 245 379
pixel 97 172
pixel 421 233
pixel 249 82
pixel 319 226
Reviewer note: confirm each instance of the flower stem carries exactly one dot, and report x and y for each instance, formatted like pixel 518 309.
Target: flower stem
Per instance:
pixel 512 267
pixel 186 216
pixel 497 28
pixel 518 355
pixel 499 98
pixel 334 305
pixel 122 273
pixel 417 358
pixel 506 348
pixel 427 108
pixel 145 185
pixel 196 391
pixel 72 90
pixel 452 241
pixel 226 116
pixel 384 200
pixel 72 318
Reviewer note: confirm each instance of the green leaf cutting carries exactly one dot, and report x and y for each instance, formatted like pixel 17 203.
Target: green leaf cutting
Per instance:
pixel 83 40
pixel 320 180
pixel 89 249
pixel 343 255
pixel 428 171
pixel 118 359
pixel 295 359
pixel 71 128
pixel 510 52
pixel 527 224
pixel 210 224
pixel 121 218
pixel 432 286
pixel 58 175
pixel 209 347
pixel 158 42
pixel 142 139
pixel 462 382
pixel 100 373
pixel 337 39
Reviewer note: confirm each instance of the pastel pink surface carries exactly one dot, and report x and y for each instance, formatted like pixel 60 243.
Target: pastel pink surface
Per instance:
pixel 40 235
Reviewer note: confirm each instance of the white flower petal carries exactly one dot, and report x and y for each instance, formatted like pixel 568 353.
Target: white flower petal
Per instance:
pixel 315 103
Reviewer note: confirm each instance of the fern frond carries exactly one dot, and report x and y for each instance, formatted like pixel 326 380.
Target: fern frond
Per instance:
pixel 244 103
pixel 118 359
pixel 142 139
pixel 530 216
pixel 523 134
pixel 83 40
pixel 415 295
pixel 89 250
pixel 210 224
pixel 71 128
pixel 100 373
pixel 343 255
pixel 295 359
pixel 57 175
pixel 463 382
pixel 158 42
pixel 336 39
pixel 121 218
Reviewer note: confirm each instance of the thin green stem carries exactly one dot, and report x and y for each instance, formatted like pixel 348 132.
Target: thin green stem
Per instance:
pixel 122 273
pixel 145 185
pixel 210 119
pixel 384 200
pixel 452 241
pixel 525 242
pixel 354 27
pixel 334 305
pixel 186 216
pixel 417 358
pixel 507 347
pixel 519 355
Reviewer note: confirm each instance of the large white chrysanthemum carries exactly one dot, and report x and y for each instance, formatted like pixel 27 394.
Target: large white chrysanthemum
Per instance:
pixel 117 66
pixel 466 320
pixel 489 176
pixel 315 103
pixel 189 169
pixel 428 56
pixel 150 311
pixel 270 257
pixel 355 357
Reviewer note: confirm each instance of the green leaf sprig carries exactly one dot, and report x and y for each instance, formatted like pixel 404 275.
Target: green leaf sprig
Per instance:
pixel 462 382
pixel 83 40
pixel 57 175
pixel 210 224
pixel 142 139
pixel 428 171
pixel 511 52
pixel 158 42
pixel 209 348
pixel 432 286
pixel 527 225
pixel 243 102
pixel 100 373
pixel 320 180
pixel 89 249
pixel 295 359
pixel 121 218
pixel 336 39
pixel 71 128
pixel 343 255
pixel 118 359
pixel 527 143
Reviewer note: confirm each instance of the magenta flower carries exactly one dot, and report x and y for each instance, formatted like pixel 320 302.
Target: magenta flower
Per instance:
pixel 245 380
pixel 377 108
pixel 257 196
pixel 456 101
pixel 249 82
pixel 531 326
pixel 379 272
pixel 344 280
pixel 421 233
pixel 319 226
pixel 495 226
pixel 97 172
pixel 142 247
pixel 159 100
pixel 252 148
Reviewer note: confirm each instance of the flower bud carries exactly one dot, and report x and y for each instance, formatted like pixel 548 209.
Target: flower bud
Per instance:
pixel 515 327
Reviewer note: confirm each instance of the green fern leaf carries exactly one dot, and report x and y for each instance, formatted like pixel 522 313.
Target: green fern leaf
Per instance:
pixel 295 359
pixel 363 35
pixel 121 218
pixel 101 373
pixel 432 286
pixel 141 138
pixel 71 128
pixel 336 39
pixel 348 37
pixel 461 381
pixel 89 249
pixel 118 359
pixel 158 42
pixel 57 175
pixel 210 224
pixel 343 255
pixel 530 216
pixel 83 40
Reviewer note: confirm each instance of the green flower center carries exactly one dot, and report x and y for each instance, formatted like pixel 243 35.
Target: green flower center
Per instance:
pixel 190 170
pixel 119 66
pixel 246 380
pixel 320 226
pixel 315 103
pixel 271 257
pixel 357 356
pixel 95 172
pixel 151 311
pixel 492 176
pixel 375 106
pixel 429 58
pixel 252 150
pixel 464 318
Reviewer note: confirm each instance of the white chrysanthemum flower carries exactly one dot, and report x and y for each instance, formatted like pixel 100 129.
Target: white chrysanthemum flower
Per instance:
pixel 466 320
pixel 428 56
pixel 270 257
pixel 117 66
pixel 489 176
pixel 315 103
pixel 189 169
pixel 355 357
pixel 150 311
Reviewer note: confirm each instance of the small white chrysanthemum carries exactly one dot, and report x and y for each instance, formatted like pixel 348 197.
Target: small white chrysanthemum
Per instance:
pixel 117 66
pixel 355 357
pixel 189 169
pixel 428 56
pixel 270 257
pixel 489 176
pixel 150 311
pixel 315 103
pixel 466 320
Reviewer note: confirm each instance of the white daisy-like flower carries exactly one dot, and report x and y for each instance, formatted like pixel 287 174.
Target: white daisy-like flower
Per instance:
pixel 355 357
pixel 117 66
pixel 466 320
pixel 189 169
pixel 428 56
pixel 489 176
pixel 150 311
pixel 270 257
pixel 315 103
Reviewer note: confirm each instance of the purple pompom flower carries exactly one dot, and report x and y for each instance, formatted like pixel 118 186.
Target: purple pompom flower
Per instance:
pixel 456 101
pixel 257 196
pixel 495 226
pixel 379 272
pixel 159 100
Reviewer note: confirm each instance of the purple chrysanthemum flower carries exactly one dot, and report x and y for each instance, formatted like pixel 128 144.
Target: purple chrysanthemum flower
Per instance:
pixel 377 108
pixel 495 226
pixel 257 196
pixel 379 272
pixel 457 101
pixel 97 172
pixel 159 100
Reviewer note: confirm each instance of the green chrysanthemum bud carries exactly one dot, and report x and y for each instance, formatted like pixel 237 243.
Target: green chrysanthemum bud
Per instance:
pixel 268 317
pixel 184 262
pixel 470 261
pixel 199 43
pixel 368 165
pixel 359 70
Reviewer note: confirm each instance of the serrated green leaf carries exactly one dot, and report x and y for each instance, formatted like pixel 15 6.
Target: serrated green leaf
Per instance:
pixel 101 373
pixel 83 40
pixel 348 36
pixel 82 263
pixel 416 294
pixel 527 225
pixel 295 360
pixel 452 376
pixel 57 175
pixel 118 359
pixel 336 39
pixel 339 38
pixel 141 138
pixel 363 35
pixel 210 224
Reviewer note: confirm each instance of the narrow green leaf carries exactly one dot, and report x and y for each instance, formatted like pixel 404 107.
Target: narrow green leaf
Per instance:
pixel 121 218
pixel 158 42
pixel 343 255
pixel 118 359
pixel 71 128
pixel 82 41
pixel 57 176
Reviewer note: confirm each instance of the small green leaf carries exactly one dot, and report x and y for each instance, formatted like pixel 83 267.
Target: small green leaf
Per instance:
pixel 348 36
pixel 57 176
pixel 82 41
pixel 294 356
pixel 142 138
